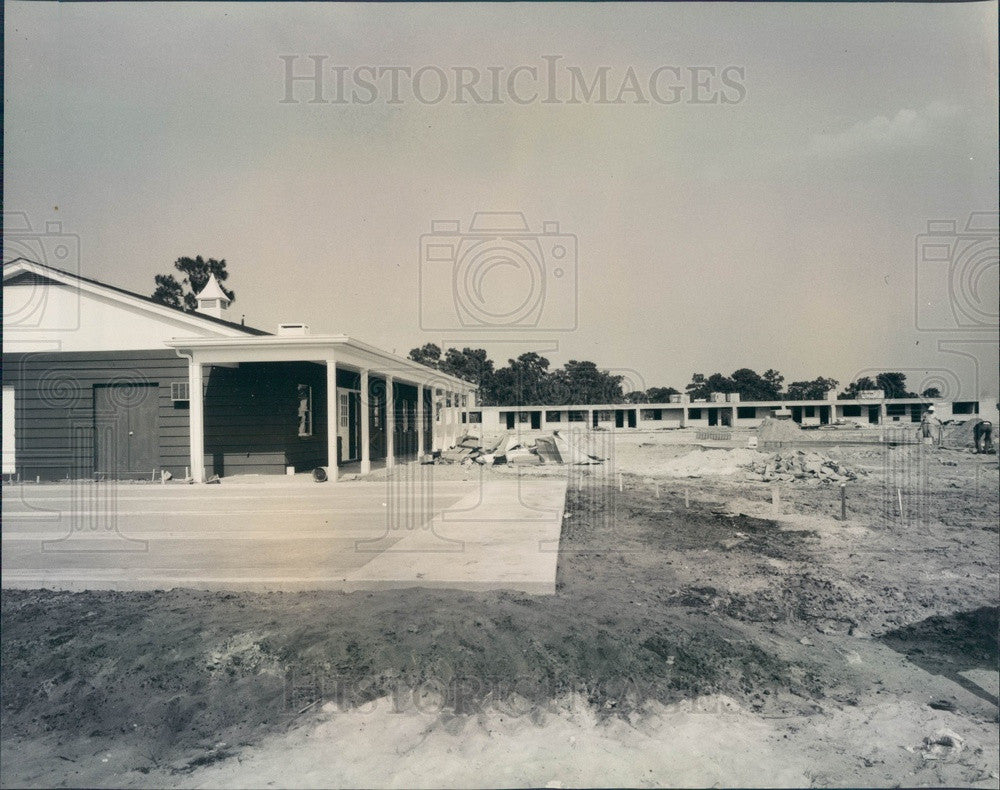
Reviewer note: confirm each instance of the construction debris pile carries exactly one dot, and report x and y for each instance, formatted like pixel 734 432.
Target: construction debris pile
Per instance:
pixel 505 449
pixel 796 465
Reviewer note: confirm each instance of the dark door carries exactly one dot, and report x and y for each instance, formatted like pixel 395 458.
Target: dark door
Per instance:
pixel 631 418
pixel 536 420
pixel 619 418
pixel 713 416
pixel 510 421
pixel 126 430
pixel 796 414
pixel 824 414
pixel 873 415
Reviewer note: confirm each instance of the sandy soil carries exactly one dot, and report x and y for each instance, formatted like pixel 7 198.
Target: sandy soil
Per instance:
pixel 706 630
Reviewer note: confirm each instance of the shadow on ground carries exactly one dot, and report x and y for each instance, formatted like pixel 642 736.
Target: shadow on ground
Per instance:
pixel 948 645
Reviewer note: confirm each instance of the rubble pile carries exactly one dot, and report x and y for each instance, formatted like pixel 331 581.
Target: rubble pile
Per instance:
pixel 796 465
pixel 551 449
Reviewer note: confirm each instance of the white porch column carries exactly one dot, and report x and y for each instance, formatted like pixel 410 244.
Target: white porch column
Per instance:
pixel 390 424
pixel 196 416
pixel 364 416
pixel 420 421
pixel 332 424
pixel 452 420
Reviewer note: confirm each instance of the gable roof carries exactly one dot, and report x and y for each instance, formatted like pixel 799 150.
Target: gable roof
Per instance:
pixel 21 266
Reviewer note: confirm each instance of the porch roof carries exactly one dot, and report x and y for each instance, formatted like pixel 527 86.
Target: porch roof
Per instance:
pixel 345 351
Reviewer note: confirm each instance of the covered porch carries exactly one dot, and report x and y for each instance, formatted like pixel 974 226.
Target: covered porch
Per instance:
pixel 304 401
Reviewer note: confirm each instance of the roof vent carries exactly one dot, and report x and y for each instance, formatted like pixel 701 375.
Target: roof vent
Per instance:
pixel 293 329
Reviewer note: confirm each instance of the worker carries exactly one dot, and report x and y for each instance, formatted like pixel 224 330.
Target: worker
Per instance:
pixel 930 427
pixel 983 434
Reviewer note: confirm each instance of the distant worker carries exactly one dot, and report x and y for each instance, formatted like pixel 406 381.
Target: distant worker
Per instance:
pixel 930 427
pixel 983 434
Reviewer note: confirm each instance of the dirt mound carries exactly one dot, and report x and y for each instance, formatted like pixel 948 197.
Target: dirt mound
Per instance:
pixel 705 462
pixel 960 434
pixel 772 430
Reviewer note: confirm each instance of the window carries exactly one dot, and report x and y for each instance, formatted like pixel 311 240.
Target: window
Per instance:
pixel 810 411
pixel 852 411
pixel 746 412
pixel 965 407
pixel 179 391
pixel 651 414
pixel 895 409
pixel 604 415
pixel 553 416
pixel 576 416
pixel 475 417
pixel 306 410
pixel 694 414
pixel 343 413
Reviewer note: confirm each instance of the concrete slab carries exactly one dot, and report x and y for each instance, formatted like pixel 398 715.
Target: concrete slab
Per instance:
pixel 282 534
pixel 505 535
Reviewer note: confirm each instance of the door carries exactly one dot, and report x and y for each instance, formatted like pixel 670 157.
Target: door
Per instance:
pixel 619 418
pixel 873 415
pixel 797 414
pixel 9 445
pixel 510 421
pixel 713 416
pixel 631 418
pixel 536 420
pixel 126 430
pixel 348 424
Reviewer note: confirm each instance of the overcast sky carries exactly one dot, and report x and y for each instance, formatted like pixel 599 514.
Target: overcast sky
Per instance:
pixel 776 227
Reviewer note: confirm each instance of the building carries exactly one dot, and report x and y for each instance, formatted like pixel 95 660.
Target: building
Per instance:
pixel 721 410
pixel 102 382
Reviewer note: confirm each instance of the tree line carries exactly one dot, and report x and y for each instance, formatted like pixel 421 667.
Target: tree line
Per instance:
pixel 528 380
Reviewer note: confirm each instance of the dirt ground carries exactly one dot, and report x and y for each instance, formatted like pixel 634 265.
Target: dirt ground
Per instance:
pixel 706 630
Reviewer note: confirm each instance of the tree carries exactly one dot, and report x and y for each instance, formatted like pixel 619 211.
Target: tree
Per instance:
pixel 168 291
pixel 851 390
pixel 774 381
pixel 636 396
pixel 698 388
pixel 428 354
pixel 471 364
pixel 197 271
pixel 931 392
pixel 660 394
pixel 811 390
pixel 522 382
pixel 894 385
pixel 583 382
pixel 752 386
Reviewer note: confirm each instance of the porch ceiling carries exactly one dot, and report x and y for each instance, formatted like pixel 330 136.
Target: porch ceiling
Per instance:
pixel 345 351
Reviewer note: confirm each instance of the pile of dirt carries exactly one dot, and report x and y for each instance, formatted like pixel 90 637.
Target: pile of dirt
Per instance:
pixel 959 434
pixel 799 464
pixel 698 463
pixel 772 430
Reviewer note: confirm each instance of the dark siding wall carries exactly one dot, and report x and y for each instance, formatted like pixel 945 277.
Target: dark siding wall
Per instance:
pixel 251 412
pixel 252 422
pixel 54 402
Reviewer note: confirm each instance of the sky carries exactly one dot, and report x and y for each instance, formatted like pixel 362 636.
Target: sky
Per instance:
pixel 768 208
